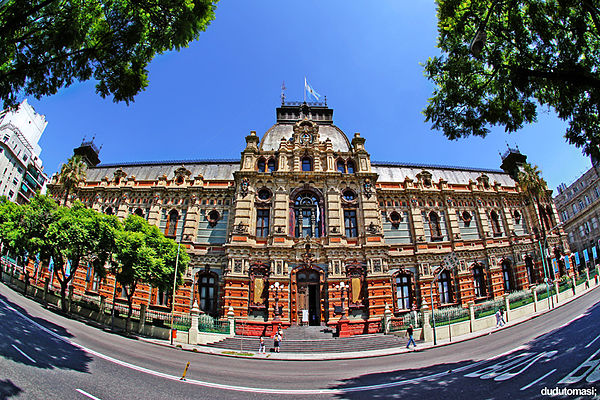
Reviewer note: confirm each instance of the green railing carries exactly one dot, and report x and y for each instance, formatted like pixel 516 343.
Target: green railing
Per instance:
pixel 404 321
pixel 450 315
pixel 488 308
pixel 521 302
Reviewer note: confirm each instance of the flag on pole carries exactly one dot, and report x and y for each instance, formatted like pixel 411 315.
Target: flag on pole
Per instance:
pixel 310 90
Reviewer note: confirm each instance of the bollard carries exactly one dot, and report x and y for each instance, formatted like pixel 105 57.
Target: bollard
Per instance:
pixel 185 372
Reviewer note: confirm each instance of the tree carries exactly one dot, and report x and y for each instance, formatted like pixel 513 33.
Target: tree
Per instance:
pixel 12 232
pixel 72 174
pixel 144 254
pixel 503 59
pixel 80 235
pixel 48 44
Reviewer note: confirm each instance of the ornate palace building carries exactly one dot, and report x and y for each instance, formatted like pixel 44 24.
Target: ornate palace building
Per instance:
pixel 305 228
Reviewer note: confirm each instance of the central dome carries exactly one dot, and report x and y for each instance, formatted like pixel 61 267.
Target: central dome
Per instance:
pixel 290 113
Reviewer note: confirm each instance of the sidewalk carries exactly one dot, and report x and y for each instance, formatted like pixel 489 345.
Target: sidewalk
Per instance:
pixel 252 343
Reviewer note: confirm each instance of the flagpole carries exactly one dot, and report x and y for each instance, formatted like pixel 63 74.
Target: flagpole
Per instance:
pixel 305 89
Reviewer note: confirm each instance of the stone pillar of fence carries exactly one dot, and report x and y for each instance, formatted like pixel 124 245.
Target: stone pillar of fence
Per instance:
pixel 46 285
pixel 231 320
pixel 387 319
pixel 506 306
pixel 472 315
pixel 70 299
pixel 597 277
pixel 193 332
pixel 535 299
pixel 557 287
pixel 142 323
pixel 587 274
pixel 102 308
pixel 427 329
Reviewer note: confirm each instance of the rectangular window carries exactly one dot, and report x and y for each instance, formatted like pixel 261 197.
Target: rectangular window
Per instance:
pixel 350 223
pixel 262 222
pixel 571 237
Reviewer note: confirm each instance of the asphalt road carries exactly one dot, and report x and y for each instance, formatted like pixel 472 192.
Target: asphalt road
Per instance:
pixel 45 356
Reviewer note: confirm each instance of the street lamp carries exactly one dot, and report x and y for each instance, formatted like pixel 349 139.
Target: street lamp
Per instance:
pixel 276 287
pixel 435 278
pixel 173 295
pixel 343 288
pixel 544 263
pixel 480 37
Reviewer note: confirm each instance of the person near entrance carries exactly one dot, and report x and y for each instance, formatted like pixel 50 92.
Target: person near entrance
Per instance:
pixel 409 333
pixel 277 340
pixel 261 345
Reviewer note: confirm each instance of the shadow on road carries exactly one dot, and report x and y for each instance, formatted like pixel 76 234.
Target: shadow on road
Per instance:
pixel 8 389
pixel 561 348
pixel 18 335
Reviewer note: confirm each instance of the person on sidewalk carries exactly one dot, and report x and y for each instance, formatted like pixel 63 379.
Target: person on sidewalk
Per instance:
pixel 409 333
pixel 502 321
pixel 499 318
pixel 277 341
pixel 261 345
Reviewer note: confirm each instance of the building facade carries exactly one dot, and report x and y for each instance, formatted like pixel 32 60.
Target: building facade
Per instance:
pixel 306 229
pixel 579 208
pixel 20 163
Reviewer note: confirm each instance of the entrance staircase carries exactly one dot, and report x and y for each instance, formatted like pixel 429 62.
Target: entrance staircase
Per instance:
pixel 313 339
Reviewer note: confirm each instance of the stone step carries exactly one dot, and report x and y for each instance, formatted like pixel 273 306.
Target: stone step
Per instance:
pixel 335 345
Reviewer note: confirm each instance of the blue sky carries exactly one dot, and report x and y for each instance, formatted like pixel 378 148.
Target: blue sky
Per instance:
pixel 203 100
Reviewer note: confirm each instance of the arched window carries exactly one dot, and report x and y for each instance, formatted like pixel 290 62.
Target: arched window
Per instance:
pixel 403 291
pixel 340 166
pixel 260 165
pixel 306 164
pixel 307 214
pixel 445 288
pixel 139 212
pixel 531 275
pixel 479 280
pixel 349 195
pixel 171 227
pixel 350 166
pixel 271 165
pixel 108 211
pixel 496 229
pixel 435 227
pixel 207 291
pixel 507 276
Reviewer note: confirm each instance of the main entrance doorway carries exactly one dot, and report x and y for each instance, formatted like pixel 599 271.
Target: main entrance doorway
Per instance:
pixel 308 298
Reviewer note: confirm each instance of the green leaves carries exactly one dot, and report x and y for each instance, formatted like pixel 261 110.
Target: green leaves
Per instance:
pixel 49 44
pixel 71 174
pixel 539 52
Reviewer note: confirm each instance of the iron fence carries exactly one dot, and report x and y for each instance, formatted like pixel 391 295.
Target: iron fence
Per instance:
pixel 402 322
pixel 450 315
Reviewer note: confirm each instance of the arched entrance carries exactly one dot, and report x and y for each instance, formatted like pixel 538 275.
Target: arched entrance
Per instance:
pixel 306 305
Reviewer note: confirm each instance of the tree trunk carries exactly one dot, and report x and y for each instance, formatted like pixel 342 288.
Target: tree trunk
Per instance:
pixel 129 292
pixel 63 294
pixel 66 197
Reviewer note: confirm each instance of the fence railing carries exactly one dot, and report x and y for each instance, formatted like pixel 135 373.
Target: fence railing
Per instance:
pixel 404 321
pixel 449 315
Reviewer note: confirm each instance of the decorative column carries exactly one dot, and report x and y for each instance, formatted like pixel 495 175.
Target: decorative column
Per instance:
pixel 506 305
pixel 535 299
pixel 427 330
pixel 472 315
pixel 387 319
pixel 193 332
pixel 231 320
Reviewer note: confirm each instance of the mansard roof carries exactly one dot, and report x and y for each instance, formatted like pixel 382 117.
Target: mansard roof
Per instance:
pixel 152 170
pixel 223 170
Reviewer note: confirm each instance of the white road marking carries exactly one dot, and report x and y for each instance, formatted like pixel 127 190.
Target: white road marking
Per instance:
pixel 582 370
pixel 509 375
pixel 568 322
pixel 590 343
pixel 537 380
pixel 83 392
pixel 25 355
pixel 244 388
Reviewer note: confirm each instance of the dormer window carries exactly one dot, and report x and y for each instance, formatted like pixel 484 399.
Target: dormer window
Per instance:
pixel 271 165
pixel 261 165
pixel 306 164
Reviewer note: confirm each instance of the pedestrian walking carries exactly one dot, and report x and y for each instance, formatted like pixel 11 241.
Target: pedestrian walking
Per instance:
pixel 502 322
pixel 261 345
pixel 409 333
pixel 277 341
pixel 499 323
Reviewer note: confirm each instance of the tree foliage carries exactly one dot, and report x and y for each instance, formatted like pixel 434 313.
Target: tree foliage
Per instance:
pixel 144 254
pixel 49 44
pixel 72 174
pixel 535 53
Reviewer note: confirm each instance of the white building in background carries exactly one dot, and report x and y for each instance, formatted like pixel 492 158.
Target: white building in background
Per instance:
pixel 20 163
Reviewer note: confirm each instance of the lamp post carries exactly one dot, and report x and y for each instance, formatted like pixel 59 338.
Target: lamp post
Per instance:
pixel 276 287
pixel 435 278
pixel 544 263
pixel 480 37
pixel 343 288
pixel 173 295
